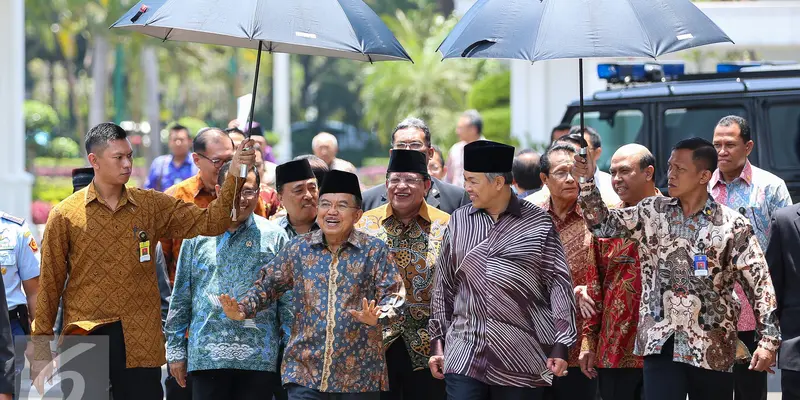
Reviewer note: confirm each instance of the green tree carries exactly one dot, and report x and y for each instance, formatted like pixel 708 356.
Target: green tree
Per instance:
pixel 492 97
pixel 431 89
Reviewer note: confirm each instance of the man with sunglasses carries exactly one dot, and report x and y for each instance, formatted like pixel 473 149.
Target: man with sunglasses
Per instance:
pixel 756 194
pixel 413 134
pixel 413 230
pixel 226 359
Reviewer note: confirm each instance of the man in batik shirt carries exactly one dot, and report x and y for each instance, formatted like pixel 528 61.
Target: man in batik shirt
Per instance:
pixel 337 275
pixel 298 192
pixel 610 339
pixel 224 358
pixel 756 194
pixel 561 203
pixel 413 230
pixel 693 250
pixel 503 312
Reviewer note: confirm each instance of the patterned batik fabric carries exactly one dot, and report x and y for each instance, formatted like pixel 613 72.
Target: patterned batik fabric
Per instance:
pixel 226 264
pixel 502 302
pixel 579 247
pixel 699 311
pixel 108 281
pixel 414 247
pixel 329 350
pixel 756 194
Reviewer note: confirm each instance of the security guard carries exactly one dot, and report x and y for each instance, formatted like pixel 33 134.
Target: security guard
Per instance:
pixel 19 265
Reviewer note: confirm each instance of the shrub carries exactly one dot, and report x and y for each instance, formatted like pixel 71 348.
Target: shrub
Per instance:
pixel 497 125
pixel 52 189
pixel 492 91
pixel 39 211
pixel 64 147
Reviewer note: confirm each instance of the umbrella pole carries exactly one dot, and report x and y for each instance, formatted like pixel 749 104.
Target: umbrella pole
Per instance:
pixel 255 86
pixel 583 151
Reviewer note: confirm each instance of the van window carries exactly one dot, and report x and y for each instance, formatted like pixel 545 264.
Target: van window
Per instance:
pixel 784 128
pixel 684 123
pixel 616 128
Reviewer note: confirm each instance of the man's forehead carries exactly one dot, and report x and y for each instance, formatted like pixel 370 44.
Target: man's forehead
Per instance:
pixel 409 133
pixel 334 197
pixel 116 146
pixel 681 156
pixel 302 183
pixel 404 175
pixel 560 158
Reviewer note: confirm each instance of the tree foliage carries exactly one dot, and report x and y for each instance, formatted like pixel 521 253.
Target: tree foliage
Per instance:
pixel 430 88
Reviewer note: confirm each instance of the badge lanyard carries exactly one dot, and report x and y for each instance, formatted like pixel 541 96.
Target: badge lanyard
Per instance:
pixel 144 247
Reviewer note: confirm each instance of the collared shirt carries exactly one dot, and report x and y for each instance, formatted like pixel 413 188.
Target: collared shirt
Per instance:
pixel 193 191
pixel 602 180
pixel 756 194
pixel 208 267
pixel 164 173
pixel 284 223
pixel 329 350
pixel 19 257
pixel 108 282
pixel 455 163
pixel 502 302
pixel 414 248
pixel 578 245
pixel 699 311
pixel 612 336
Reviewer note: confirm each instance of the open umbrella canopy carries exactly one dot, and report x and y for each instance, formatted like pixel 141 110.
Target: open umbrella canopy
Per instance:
pixel 550 29
pixel 332 28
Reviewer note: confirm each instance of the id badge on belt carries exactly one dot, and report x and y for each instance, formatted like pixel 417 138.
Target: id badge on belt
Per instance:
pixel 700 263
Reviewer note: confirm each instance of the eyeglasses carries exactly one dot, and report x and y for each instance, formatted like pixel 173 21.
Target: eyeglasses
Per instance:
pixel 327 205
pixel 409 146
pixel 217 162
pixel 249 194
pixel 560 175
pixel 407 181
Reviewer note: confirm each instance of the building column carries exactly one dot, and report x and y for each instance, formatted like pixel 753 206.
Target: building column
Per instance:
pixel 281 105
pixel 14 181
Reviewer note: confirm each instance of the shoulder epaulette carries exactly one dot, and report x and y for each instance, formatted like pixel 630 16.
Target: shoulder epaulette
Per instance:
pixel 11 218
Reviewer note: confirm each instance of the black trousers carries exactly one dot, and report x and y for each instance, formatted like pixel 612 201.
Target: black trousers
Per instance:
pixel 297 392
pixel 126 383
pixel 574 386
pixel 790 384
pixel 404 382
pixel 460 387
pixel 232 384
pixel 621 383
pixel 665 379
pixel 749 385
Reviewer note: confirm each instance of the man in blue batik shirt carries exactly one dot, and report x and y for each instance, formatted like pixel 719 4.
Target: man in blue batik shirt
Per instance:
pixel 227 359
pixel 173 168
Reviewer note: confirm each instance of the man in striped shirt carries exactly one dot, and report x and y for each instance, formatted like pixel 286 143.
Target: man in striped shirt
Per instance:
pixel 503 312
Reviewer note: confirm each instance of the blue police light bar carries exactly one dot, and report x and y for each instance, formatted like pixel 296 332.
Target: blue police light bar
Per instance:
pixel 639 72
pixel 737 66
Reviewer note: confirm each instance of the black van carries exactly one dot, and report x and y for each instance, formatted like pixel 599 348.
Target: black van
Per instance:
pixel 659 114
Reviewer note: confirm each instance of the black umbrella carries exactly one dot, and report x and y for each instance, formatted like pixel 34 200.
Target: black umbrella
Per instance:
pixel 332 28
pixel 553 29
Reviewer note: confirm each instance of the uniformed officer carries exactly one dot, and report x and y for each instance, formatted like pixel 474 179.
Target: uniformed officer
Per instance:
pixel 19 265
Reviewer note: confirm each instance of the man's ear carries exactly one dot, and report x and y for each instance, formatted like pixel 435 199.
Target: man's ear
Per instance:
pixel 650 173
pixel 543 178
pixel 195 158
pixel 92 159
pixel 428 184
pixel 705 177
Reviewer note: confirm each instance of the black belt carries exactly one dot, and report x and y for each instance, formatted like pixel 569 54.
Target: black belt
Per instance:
pixel 20 313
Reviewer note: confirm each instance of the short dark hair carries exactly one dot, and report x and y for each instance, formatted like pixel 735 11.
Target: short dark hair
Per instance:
pixel 223 172
pixel 575 139
pixel 200 143
pixel 413 122
pixel 178 128
pixel 703 153
pixel 594 137
pixel 526 170
pixel 647 160
pixel 475 119
pixel 439 153
pixel 559 127
pixel 544 160
pixel 100 135
pixel 744 126
pixel 318 167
